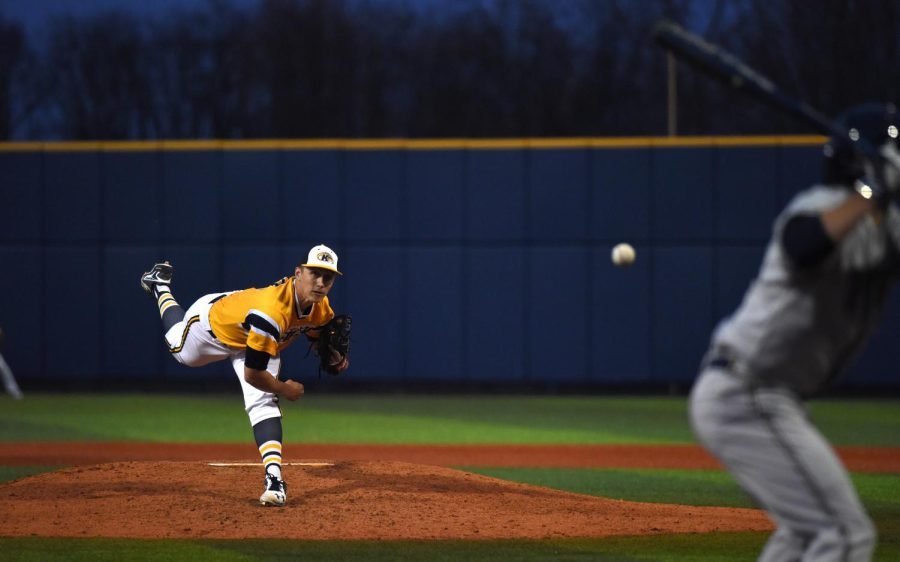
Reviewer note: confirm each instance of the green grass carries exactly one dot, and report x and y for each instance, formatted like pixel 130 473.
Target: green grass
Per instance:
pixel 718 547
pixel 118 417
pixel 354 419
pixel 694 487
pixel 404 419
pixel 708 548
pixel 879 492
pixel 858 422
pixel 8 473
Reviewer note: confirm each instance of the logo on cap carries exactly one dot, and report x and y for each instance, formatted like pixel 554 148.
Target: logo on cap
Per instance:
pixel 323 257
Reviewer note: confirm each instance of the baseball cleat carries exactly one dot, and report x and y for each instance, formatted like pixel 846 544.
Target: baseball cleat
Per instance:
pixel 160 274
pixel 275 493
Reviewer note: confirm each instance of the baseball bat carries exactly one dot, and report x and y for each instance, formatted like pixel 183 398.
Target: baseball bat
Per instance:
pixel 725 67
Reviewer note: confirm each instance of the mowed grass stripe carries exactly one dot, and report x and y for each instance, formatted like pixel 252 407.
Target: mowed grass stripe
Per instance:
pixel 712 547
pixel 392 419
pixel 880 493
pixel 347 419
pixel 10 473
pixel 691 487
pixel 736 547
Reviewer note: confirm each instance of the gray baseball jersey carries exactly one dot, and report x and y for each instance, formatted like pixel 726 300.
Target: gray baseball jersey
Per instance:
pixel 794 333
pixel 800 328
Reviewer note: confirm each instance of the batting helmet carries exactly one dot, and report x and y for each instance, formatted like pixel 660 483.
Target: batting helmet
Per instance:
pixel 878 124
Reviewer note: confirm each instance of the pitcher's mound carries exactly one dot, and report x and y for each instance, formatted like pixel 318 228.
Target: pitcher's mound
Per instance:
pixel 343 500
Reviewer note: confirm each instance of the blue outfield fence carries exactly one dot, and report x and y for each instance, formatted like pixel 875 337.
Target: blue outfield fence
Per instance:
pixel 464 259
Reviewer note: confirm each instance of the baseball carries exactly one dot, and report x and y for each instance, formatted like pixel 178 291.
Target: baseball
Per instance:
pixel 623 254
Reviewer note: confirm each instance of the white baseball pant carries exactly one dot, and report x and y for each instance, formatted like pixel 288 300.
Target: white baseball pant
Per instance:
pixel 193 343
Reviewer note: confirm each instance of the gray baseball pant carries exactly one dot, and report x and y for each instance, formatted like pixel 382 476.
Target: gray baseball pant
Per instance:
pixel 764 438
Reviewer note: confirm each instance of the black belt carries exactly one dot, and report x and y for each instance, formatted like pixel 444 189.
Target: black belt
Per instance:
pixel 720 357
pixel 720 362
pixel 723 358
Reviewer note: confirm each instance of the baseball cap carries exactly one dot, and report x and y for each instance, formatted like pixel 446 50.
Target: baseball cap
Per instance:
pixel 323 257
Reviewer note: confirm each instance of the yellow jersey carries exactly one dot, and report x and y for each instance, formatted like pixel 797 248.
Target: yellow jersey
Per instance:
pixel 266 319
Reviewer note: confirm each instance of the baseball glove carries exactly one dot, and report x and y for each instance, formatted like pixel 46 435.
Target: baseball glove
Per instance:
pixel 333 345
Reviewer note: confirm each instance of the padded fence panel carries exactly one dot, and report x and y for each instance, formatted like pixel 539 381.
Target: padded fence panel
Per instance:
pixel 620 304
pixel 746 193
pixel 215 374
pixel 735 269
pixel 558 194
pixel 494 294
pixel 312 206
pixel 251 197
pixel 20 197
pixel 878 365
pixel 72 197
pixel 459 237
pixel 376 206
pixel 495 196
pixel 198 271
pixel 620 194
pixel 798 168
pixel 376 296
pixel 250 266
pixel 682 194
pixel 191 197
pixel 131 197
pixel 132 334
pixel 71 316
pixel 435 190
pixel 556 315
pixel 435 314
pixel 681 293
pixel 21 310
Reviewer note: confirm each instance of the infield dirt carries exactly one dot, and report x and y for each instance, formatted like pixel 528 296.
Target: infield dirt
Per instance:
pixel 370 492
pixel 349 500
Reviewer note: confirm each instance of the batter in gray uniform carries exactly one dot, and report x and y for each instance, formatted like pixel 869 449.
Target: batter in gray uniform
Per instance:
pixel 818 297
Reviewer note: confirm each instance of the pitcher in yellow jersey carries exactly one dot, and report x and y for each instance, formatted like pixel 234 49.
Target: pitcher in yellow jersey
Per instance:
pixel 250 328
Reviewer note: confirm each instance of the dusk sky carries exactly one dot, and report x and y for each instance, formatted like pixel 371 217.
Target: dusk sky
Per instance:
pixel 34 14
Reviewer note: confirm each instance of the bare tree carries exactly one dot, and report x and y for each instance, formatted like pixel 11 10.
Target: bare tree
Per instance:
pixel 476 68
pixel 13 50
pixel 98 83
pixel 309 56
pixel 204 79
pixel 461 77
pixel 839 54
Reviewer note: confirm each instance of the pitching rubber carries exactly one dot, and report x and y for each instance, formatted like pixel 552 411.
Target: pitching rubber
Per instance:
pixel 256 464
